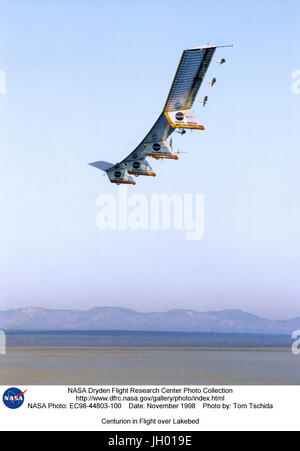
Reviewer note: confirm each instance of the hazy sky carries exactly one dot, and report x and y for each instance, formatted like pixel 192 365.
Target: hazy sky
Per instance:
pixel 85 82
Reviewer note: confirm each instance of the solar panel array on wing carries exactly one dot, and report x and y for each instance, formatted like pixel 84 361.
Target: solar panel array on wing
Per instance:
pixel 190 74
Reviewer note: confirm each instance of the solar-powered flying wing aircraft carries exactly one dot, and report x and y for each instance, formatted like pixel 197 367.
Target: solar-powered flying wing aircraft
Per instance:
pixel 177 114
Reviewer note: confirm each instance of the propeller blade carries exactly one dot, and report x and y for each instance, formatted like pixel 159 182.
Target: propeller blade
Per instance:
pixel 204 101
pixel 212 82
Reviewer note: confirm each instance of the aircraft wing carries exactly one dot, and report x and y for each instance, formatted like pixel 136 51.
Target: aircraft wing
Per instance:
pixel 189 77
pixel 177 114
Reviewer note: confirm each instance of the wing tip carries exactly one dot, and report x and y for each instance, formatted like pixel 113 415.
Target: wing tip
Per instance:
pixel 102 165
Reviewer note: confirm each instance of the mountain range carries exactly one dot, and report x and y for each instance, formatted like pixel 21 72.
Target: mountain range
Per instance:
pixel 115 318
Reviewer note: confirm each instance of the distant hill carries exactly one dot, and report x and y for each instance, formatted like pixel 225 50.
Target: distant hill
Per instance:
pixel 115 318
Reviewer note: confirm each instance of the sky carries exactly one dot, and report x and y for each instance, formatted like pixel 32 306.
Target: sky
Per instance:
pixel 85 81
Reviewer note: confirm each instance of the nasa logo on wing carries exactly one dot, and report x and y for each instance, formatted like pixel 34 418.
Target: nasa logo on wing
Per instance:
pixel 13 398
pixel 179 116
pixel 136 165
pixel 156 147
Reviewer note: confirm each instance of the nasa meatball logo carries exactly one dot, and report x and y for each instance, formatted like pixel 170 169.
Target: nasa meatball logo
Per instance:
pixel 13 398
pixel 179 116
pixel 156 147
pixel 136 165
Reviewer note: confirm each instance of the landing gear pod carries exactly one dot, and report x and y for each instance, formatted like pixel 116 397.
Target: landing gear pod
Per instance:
pixel 140 167
pixel 184 119
pixel 161 149
pixel 119 176
pixel 116 173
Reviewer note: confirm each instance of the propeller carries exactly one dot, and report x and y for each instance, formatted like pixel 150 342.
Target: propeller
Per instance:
pixel 212 82
pixel 204 101
pixel 178 151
